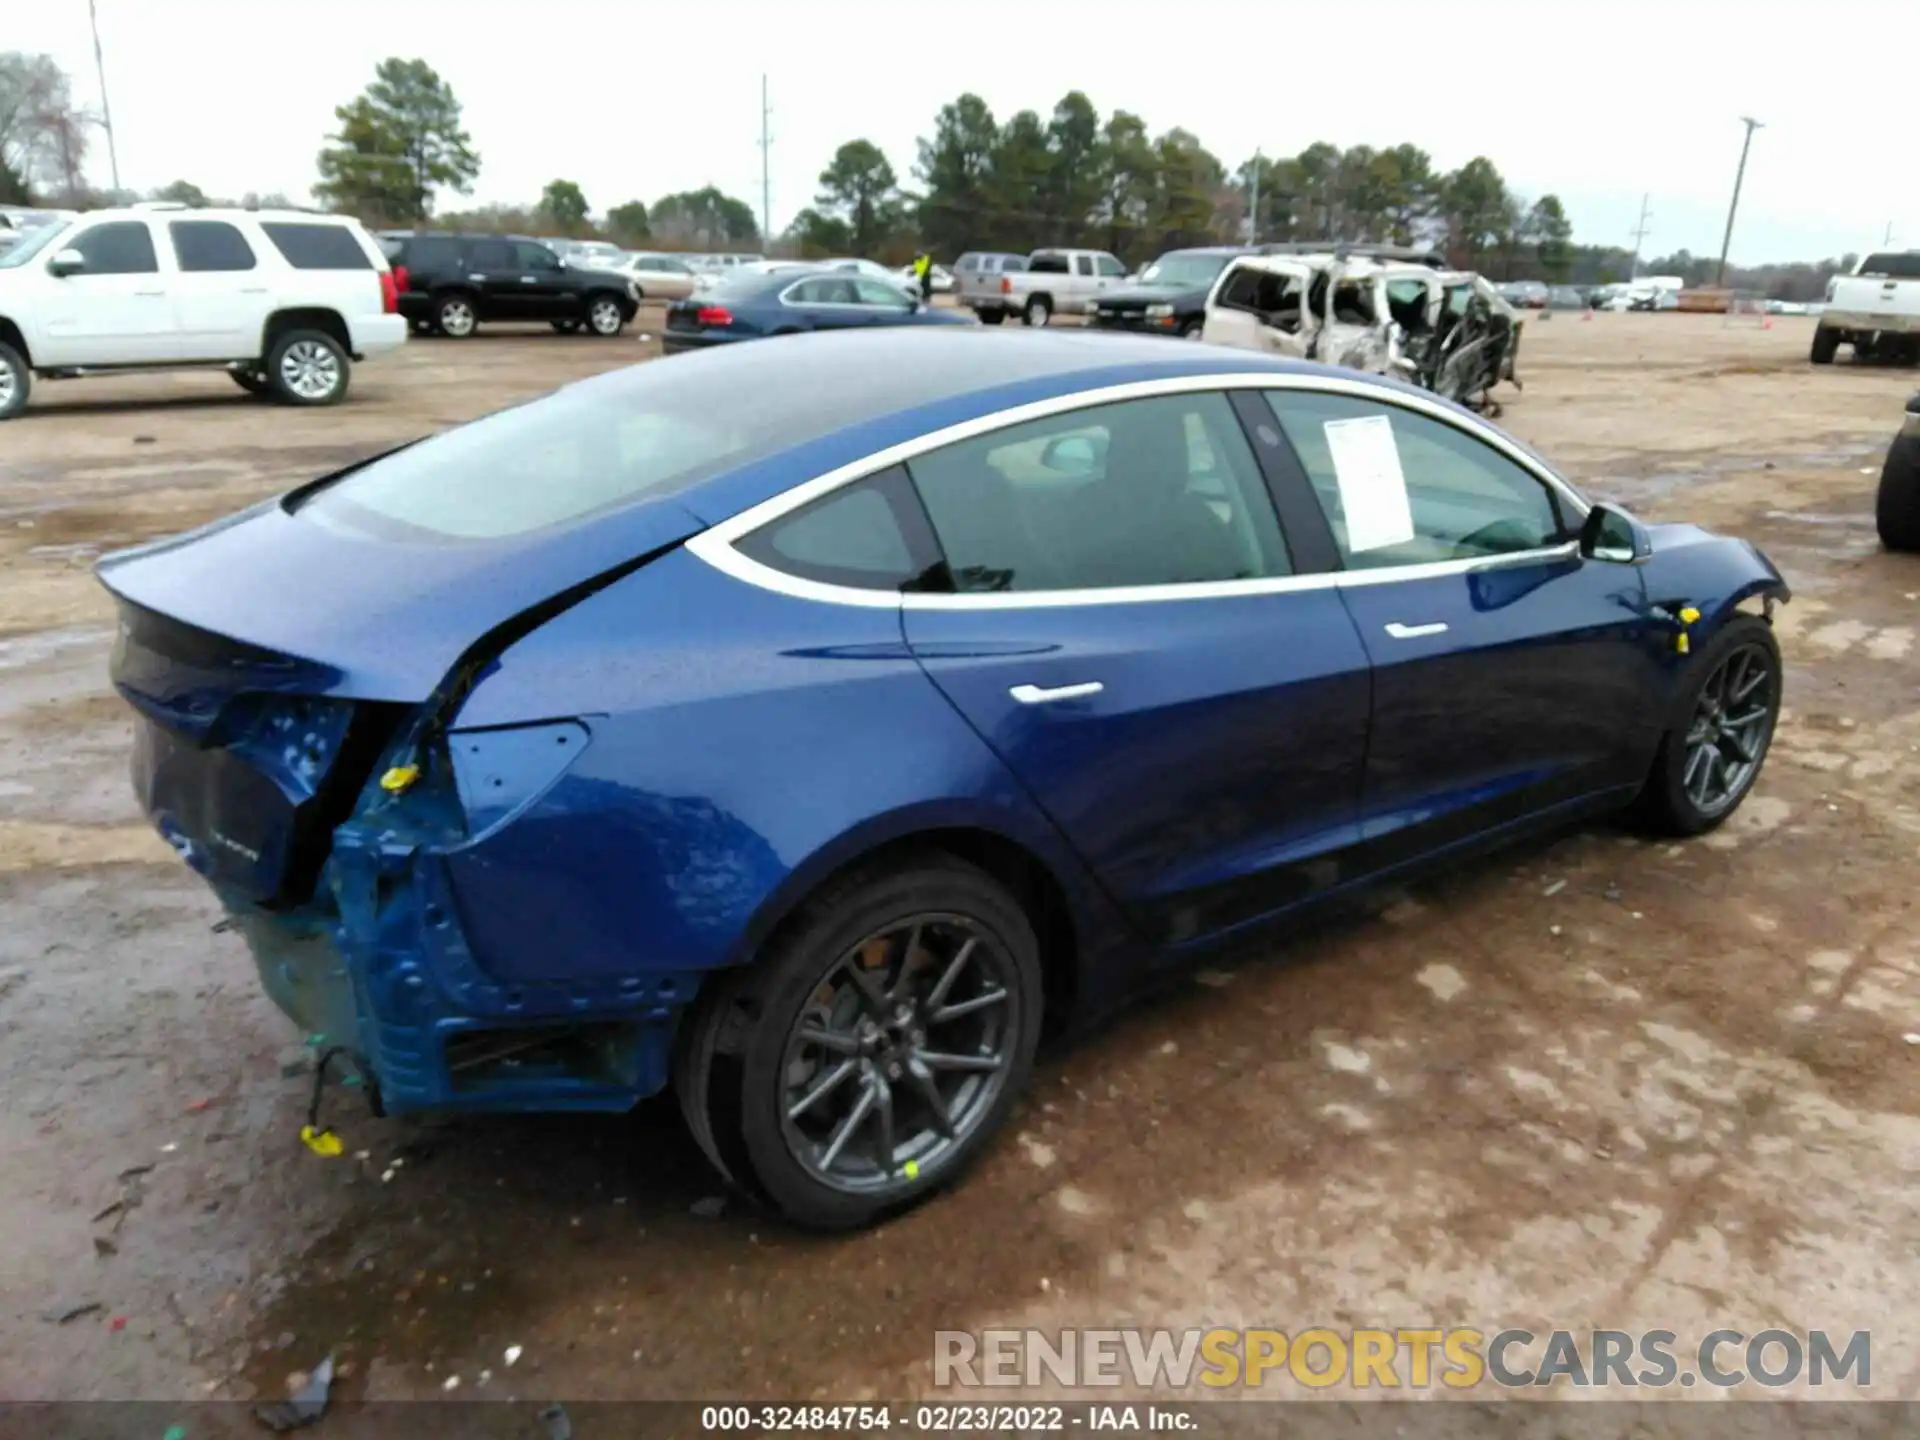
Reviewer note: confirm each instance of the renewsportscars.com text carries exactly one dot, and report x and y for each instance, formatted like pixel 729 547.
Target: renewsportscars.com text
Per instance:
pixel 1401 1358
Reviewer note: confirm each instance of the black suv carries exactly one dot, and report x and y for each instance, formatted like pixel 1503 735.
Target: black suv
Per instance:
pixel 451 283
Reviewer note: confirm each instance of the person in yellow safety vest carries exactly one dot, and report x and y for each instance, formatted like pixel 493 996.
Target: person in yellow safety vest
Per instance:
pixel 923 272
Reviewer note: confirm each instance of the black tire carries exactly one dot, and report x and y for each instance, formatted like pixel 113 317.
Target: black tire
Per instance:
pixel 1666 805
pixel 456 315
pixel 254 382
pixel 1037 312
pixel 307 367
pixel 1825 343
pixel 422 327
pixel 16 382
pixel 606 316
pixel 564 327
pixel 1191 330
pixel 1896 506
pixel 731 1071
pixel 991 317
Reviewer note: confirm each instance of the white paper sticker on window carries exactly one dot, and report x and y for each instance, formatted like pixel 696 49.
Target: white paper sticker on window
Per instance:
pixel 1373 488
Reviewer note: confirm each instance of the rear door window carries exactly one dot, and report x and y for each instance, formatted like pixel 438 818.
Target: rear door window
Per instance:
pixel 209 245
pixel 1892 265
pixel 317 247
pixel 490 255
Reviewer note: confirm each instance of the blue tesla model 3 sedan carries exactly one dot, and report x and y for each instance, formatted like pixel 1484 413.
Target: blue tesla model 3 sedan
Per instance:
pixel 793 301
pixel 803 726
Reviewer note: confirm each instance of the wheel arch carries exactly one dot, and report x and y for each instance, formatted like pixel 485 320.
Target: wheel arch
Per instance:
pixel 1035 882
pixel 327 322
pixel 12 335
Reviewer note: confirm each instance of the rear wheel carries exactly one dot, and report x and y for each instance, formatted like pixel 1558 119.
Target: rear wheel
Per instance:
pixel 1038 311
pixel 1711 756
pixel 869 1055
pixel 455 317
pixel 1825 343
pixel 1896 509
pixel 16 382
pixel 605 317
pixel 307 367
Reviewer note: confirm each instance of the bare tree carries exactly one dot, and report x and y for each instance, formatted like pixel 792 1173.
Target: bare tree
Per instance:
pixel 43 132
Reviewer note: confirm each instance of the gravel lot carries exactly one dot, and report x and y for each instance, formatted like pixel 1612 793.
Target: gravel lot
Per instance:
pixel 1596 1082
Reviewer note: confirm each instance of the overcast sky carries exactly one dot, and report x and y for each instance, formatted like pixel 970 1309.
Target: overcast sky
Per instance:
pixel 636 98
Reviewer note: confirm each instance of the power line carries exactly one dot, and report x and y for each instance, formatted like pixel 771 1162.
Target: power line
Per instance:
pixel 1720 275
pixel 1639 239
pixel 766 181
pixel 106 110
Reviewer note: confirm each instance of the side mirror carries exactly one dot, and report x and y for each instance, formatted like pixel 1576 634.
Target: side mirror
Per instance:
pixel 67 262
pixel 1611 534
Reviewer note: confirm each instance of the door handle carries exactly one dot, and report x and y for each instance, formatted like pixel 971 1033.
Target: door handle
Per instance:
pixel 149 294
pixel 529 280
pixel 1040 695
pixel 255 290
pixel 1414 632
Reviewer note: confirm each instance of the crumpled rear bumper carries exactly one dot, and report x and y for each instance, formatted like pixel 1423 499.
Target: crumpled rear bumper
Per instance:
pixel 384 972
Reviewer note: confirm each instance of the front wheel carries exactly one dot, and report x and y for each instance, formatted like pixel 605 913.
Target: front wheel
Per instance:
pixel 307 367
pixel 605 317
pixel 1191 330
pixel 1712 754
pixel 1825 343
pixel 868 1057
pixel 16 381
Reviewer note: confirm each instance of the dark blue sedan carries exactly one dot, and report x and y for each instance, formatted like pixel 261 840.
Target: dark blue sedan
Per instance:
pixel 792 301
pixel 804 726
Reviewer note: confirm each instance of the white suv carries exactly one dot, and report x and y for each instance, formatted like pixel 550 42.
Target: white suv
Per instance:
pixel 283 300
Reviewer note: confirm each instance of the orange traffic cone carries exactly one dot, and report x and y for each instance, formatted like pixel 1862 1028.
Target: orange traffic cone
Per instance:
pixel 1587 314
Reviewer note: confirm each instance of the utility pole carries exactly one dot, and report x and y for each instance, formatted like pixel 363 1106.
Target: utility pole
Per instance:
pixel 106 110
pixel 1639 239
pixel 1720 275
pixel 766 182
pixel 1253 208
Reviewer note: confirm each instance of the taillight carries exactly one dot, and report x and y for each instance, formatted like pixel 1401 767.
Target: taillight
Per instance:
pixel 713 315
pixel 1006 286
pixel 389 293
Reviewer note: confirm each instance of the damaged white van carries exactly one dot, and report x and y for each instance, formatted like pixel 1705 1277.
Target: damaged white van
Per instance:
pixel 1446 330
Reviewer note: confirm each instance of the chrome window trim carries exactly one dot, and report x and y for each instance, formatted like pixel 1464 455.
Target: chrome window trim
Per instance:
pixel 715 545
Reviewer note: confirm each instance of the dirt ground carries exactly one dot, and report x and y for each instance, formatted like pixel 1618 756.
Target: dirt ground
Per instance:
pixel 1595 1083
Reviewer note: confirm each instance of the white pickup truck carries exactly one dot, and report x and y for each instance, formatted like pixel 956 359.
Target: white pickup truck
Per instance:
pixel 1876 310
pixel 1055 282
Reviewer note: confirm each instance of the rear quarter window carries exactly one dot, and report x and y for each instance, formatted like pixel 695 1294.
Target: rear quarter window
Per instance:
pixel 317 247
pixel 870 535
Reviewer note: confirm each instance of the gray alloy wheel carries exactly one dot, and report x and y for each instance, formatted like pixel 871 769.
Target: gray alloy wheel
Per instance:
pixel 1729 731
pixel 900 1053
pixel 604 317
pixel 306 367
pixel 16 380
pixel 454 317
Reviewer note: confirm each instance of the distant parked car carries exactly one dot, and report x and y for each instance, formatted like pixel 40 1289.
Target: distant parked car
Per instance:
pixel 941 276
pixel 751 306
pixel 659 277
pixel 873 270
pixel 596 254
pixel 1525 294
pixel 1167 297
pixel 455 283
pixel 1876 310
pixel 1565 297
pixel 977 275
pixel 1054 282
pixel 284 301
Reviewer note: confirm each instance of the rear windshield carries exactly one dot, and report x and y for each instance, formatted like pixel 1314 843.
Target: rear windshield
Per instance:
pixel 317 247
pixel 1892 265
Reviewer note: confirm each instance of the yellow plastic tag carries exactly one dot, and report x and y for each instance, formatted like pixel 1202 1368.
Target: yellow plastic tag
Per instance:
pixel 399 778
pixel 1688 615
pixel 912 1168
pixel 321 1142
pixel 1680 643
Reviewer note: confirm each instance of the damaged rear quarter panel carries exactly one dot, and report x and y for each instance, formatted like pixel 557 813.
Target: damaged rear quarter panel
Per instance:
pixel 726 777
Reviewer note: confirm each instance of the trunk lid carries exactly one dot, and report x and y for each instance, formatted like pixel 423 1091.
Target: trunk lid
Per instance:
pixel 271 657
